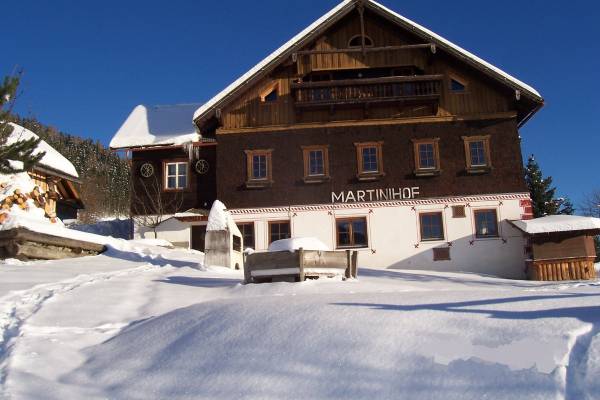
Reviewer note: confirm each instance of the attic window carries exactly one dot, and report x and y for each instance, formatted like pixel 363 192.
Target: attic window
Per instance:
pixel 356 41
pixel 457 86
pixel 270 93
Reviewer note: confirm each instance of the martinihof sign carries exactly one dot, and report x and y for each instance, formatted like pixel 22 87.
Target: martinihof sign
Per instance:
pixel 358 196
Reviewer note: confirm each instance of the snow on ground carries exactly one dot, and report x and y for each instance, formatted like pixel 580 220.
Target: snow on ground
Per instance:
pixel 293 244
pixel 141 325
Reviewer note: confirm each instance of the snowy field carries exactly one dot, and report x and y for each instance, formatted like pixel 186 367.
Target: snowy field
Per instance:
pixel 147 325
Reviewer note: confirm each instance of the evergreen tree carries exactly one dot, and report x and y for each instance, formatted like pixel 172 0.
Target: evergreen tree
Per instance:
pixel 18 151
pixel 543 193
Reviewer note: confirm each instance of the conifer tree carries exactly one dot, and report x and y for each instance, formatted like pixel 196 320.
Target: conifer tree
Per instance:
pixel 21 150
pixel 543 193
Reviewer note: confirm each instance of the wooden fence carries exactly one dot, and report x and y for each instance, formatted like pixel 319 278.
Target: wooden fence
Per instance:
pixel 562 269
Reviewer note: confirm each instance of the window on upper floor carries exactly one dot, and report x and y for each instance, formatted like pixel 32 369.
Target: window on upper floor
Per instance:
pixel 176 175
pixel 427 157
pixel 270 93
pixel 369 158
pixel 316 163
pixel 258 166
pixel 457 85
pixel 477 153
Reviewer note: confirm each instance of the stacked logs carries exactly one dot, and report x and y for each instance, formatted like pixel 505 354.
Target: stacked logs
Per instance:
pixel 18 198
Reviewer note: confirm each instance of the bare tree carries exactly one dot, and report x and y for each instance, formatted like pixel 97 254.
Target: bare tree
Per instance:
pixel 590 206
pixel 150 205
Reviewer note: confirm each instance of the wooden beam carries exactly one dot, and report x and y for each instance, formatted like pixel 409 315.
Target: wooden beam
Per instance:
pixel 367 49
pixel 433 119
pixel 361 12
pixel 368 81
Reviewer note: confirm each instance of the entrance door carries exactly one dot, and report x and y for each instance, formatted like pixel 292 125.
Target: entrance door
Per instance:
pixel 198 236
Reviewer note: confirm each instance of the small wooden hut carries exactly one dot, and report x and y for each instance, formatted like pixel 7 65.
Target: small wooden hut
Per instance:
pixel 561 247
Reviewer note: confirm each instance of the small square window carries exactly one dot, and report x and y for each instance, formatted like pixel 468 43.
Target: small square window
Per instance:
pixel 441 254
pixel 458 212
pixel 486 224
pixel 432 226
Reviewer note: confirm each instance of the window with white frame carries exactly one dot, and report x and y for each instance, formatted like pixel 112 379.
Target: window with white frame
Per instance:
pixel 176 175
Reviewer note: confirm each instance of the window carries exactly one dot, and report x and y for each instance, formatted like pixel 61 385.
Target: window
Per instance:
pixel 486 224
pixel 356 41
pixel 369 159
pixel 441 254
pixel 270 93
pixel 176 175
pixel 458 212
pixel 247 230
pixel 427 160
pixel 279 230
pixel 237 243
pixel 258 164
pixel 351 232
pixel 316 163
pixel 456 86
pixel 477 151
pixel 432 226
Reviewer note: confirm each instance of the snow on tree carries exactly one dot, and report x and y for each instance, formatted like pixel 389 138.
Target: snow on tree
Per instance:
pixel 543 193
pixel 22 150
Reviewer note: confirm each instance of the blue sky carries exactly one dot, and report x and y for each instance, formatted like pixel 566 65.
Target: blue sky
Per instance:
pixel 87 64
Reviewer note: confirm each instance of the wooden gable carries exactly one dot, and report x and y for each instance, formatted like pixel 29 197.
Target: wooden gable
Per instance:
pixel 357 36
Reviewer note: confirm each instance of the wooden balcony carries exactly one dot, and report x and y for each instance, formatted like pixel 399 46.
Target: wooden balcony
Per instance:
pixel 426 88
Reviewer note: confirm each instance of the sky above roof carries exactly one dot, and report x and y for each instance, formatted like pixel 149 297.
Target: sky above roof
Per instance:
pixel 87 65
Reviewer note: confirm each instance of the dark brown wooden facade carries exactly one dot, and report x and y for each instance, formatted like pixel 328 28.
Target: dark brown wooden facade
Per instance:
pixel 396 86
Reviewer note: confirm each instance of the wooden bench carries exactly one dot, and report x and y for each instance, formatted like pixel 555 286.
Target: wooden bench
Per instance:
pixel 299 265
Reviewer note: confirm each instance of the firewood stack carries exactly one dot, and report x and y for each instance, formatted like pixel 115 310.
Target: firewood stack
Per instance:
pixel 40 199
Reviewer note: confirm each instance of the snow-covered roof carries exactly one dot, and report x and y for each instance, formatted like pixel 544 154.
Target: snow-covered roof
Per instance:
pixel 558 223
pixel 52 160
pixel 339 11
pixel 157 125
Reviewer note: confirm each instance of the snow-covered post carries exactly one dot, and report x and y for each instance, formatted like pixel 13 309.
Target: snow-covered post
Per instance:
pixel 224 242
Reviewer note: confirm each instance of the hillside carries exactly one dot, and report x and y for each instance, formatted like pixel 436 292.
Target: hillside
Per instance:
pixel 104 175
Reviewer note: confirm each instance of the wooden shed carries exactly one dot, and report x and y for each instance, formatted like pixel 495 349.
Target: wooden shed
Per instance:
pixel 561 247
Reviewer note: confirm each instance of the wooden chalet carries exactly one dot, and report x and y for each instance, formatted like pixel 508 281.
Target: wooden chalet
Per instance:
pixel 365 130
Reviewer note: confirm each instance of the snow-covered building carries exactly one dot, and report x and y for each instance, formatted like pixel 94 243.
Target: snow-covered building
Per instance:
pixel 367 131
pixel 54 174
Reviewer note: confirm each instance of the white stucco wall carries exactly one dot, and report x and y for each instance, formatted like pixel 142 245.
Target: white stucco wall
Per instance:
pixel 393 233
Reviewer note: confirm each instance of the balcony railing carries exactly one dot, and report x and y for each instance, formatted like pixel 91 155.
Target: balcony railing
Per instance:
pixel 371 90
